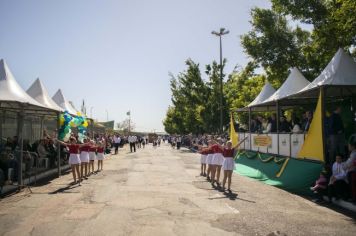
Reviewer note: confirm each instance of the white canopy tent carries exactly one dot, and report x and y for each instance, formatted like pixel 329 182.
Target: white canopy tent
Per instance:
pixel 18 113
pixel 63 102
pixel 294 82
pixel 341 70
pixel 265 93
pixel 339 77
pixel 72 105
pixel 40 94
pixel 11 91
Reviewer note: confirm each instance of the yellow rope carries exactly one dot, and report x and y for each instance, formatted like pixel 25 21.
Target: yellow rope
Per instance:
pixel 268 159
pixel 282 169
pixel 265 160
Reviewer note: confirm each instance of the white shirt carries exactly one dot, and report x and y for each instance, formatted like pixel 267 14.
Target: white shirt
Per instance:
pixel 117 139
pixel 338 171
pixel 132 139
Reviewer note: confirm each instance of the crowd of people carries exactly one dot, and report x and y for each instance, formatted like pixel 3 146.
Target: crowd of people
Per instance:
pixel 339 181
pixel 261 124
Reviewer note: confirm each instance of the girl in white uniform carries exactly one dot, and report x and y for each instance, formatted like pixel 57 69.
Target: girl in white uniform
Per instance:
pixel 92 157
pixel 74 158
pixel 84 159
pixel 216 163
pixel 100 156
pixel 229 163
pixel 209 158
pixel 203 152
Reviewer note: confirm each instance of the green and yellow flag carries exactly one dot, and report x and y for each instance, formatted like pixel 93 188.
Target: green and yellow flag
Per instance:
pixel 233 136
pixel 313 144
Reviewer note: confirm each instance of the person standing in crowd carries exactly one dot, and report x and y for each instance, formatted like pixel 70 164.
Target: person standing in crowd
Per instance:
pixel 216 162
pixel 267 126
pixel 92 156
pixel 179 142
pixel 203 154
pixel 139 139
pixel 296 125
pixel 117 141
pixel 132 140
pixel 307 121
pixel 84 160
pixel 228 164
pixel 284 126
pixel 209 158
pixel 350 167
pixel 100 156
pixel 336 134
pixel 273 123
pixel 338 180
pixel 74 158
pixel 143 142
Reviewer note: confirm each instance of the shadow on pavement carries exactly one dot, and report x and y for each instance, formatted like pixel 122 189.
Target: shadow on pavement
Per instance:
pixel 65 189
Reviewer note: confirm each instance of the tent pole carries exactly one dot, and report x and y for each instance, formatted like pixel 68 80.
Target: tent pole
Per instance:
pixel 2 116
pixel 277 121
pixel 249 124
pixel 20 143
pixel 322 94
pixel 58 146
pixel 41 128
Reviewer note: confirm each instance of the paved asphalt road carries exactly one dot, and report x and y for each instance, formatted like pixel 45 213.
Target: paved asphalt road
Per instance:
pixel 158 192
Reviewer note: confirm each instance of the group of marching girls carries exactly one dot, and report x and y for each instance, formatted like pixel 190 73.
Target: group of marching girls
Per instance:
pixel 82 158
pixel 214 157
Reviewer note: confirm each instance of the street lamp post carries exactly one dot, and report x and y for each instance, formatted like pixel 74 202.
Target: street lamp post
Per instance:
pixel 91 112
pixel 221 32
pixel 107 115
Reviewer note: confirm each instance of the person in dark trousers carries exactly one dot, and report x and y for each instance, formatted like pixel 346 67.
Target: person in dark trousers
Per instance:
pixel 274 123
pixel 132 140
pixel 338 181
pixel 336 134
pixel 179 142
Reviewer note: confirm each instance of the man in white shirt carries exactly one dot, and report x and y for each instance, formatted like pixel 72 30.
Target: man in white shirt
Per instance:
pixel 117 141
pixel 338 181
pixel 179 142
pixel 132 140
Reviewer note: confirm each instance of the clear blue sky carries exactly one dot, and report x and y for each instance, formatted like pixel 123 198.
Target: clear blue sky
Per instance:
pixel 117 54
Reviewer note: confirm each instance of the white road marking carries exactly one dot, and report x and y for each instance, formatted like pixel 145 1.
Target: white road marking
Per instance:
pixel 234 210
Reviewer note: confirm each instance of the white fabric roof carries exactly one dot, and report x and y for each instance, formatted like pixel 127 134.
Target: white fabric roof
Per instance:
pixel 265 93
pixel 40 94
pixel 10 90
pixel 294 83
pixel 63 103
pixel 73 107
pixel 341 70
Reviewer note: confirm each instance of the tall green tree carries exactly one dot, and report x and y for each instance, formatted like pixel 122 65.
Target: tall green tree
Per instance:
pixel 189 94
pixel 212 112
pixel 274 45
